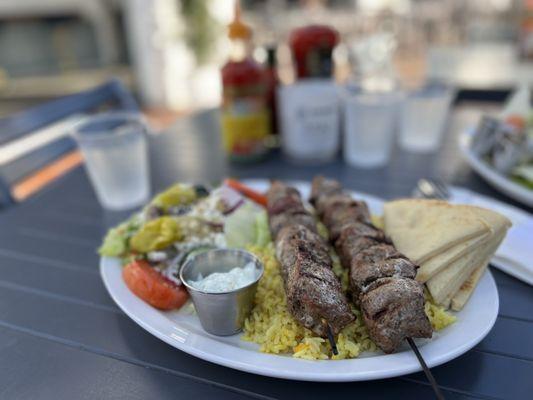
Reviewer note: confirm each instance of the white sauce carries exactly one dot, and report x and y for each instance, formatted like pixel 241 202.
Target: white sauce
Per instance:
pixel 219 282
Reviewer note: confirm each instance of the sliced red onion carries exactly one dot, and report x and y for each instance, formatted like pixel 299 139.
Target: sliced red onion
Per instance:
pixel 229 211
pixel 230 198
pixel 217 226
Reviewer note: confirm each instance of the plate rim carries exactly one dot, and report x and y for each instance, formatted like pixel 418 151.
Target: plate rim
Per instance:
pixel 319 376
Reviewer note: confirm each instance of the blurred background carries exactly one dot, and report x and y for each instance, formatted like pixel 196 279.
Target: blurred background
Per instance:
pixel 169 52
pixel 177 57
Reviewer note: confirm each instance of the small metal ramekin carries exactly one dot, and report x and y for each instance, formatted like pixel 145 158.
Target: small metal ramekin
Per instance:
pixel 221 314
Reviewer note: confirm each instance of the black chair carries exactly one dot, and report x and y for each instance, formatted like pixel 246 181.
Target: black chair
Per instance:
pixel 111 95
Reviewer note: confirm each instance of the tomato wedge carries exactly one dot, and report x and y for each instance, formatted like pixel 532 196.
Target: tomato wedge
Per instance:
pixel 152 287
pixel 246 191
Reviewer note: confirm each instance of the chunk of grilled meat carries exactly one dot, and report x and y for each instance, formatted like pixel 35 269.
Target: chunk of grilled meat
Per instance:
pixel 336 209
pixel 381 278
pixel 285 207
pixel 364 271
pixel 355 237
pixel 393 309
pixel 314 293
pixel 323 188
pixel 338 214
pixel 278 221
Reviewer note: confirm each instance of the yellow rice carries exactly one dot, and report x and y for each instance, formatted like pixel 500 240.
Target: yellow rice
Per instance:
pixel 273 328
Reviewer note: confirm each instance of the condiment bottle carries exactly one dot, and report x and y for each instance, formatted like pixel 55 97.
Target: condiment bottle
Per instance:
pixel 272 82
pixel 309 108
pixel 244 117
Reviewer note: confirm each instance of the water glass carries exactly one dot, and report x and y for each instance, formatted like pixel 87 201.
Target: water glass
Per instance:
pixel 423 118
pixel 370 120
pixel 115 151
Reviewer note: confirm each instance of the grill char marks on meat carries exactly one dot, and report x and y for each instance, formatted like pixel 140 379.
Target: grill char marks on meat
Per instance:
pixel 381 279
pixel 362 275
pixel 313 291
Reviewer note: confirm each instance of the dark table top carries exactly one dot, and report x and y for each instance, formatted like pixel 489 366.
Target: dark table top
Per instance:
pixel 61 335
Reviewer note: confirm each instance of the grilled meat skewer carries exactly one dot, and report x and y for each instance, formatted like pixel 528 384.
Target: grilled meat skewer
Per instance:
pixel 314 294
pixel 381 279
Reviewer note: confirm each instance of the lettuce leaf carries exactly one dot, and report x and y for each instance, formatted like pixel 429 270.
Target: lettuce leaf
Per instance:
pixel 116 242
pixel 114 245
pixel 262 230
pixel 248 225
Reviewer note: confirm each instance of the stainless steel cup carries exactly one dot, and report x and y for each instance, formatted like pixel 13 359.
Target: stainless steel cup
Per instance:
pixel 221 314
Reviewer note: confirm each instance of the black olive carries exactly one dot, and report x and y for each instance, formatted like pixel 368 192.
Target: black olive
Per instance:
pixel 201 191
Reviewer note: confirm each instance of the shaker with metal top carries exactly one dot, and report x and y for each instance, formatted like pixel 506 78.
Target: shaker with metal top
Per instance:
pixel 221 314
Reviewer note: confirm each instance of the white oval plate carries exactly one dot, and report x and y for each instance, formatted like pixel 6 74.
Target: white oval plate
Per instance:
pixel 181 329
pixel 493 177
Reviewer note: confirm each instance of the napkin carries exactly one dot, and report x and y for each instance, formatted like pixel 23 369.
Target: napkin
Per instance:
pixel 514 256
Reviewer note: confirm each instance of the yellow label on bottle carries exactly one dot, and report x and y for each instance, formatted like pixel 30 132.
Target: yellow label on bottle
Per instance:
pixel 245 134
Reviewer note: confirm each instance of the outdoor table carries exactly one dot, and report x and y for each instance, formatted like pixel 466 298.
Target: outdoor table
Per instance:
pixel 62 337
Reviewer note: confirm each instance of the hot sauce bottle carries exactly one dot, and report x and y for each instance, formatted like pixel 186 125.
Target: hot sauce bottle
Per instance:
pixel 245 116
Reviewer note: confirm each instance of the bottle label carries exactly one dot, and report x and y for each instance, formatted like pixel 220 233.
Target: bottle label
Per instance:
pixel 245 126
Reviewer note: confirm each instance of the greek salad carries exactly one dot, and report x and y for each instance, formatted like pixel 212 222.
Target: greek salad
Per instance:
pixel 179 222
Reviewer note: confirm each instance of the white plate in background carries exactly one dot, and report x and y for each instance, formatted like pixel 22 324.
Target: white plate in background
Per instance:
pixel 493 177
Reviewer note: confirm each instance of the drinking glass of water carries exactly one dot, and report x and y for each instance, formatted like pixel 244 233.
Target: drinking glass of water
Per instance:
pixel 370 120
pixel 115 151
pixel 424 115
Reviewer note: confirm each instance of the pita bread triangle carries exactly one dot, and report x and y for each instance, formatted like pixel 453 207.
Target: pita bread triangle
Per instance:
pixel 421 229
pixel 437 263
pixel 452 243
pixel 499 225
pixel 465 291
pixel 446 283
pixel 497 222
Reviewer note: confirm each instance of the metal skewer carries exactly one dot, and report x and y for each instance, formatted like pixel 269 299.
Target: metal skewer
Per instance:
pixel 331 338
pixel 429 375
